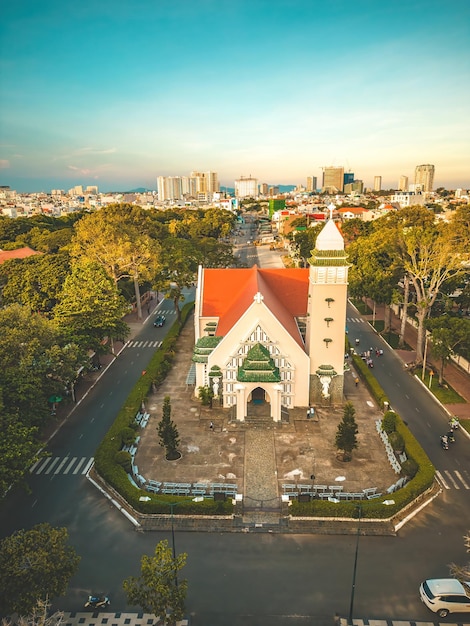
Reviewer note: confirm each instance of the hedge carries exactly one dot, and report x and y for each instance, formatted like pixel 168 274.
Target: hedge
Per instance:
pixel 105 457
pixel 375 509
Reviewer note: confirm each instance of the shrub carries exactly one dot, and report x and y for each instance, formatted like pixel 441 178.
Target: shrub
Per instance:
pixel 127 436
pixel 124 459
pixel 389 422
pixel 409 468
pixel 396 441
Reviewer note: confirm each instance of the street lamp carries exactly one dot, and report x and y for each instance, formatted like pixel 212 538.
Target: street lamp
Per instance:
pixel 353 587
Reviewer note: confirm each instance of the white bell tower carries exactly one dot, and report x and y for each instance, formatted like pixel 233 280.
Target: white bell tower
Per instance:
pixel 326 319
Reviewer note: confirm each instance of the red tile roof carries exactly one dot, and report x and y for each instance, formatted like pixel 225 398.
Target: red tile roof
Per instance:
pixel 19 253
pixel 228 293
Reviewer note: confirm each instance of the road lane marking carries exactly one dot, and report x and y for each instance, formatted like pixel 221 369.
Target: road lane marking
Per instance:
pixel 51 466
pixel 440 478
pixel 43 465
pixel 80 463
pixel 70 465
pixel 61 465
pixel 450 477
pixel 88 465
pixel 460 477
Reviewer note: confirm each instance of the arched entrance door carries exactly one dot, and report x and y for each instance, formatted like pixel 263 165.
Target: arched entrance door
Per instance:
pixel 258 405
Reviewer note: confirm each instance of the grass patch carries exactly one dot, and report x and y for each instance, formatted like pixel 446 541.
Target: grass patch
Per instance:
pixel 465 424
pixel 444 393
pixel 362 307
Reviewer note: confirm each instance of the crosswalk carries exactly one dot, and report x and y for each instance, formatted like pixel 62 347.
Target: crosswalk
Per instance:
pixel 356 320
pixel 62 465
pixel 142 344
pixel 454 479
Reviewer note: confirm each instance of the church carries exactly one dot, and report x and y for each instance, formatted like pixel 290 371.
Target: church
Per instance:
pixel 274 338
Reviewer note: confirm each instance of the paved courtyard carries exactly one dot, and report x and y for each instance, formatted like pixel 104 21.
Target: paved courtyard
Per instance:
pixel 261 456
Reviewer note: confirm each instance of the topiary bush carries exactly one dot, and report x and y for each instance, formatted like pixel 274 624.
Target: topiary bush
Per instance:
pixel 124 459
pixel 397 442
pixel 389 422
pixel 409 468
pixel 128 435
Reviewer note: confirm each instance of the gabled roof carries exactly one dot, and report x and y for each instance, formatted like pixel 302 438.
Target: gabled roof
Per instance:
pixel 228 293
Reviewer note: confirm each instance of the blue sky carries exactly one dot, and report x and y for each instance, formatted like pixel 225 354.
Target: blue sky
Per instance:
pixel 115 94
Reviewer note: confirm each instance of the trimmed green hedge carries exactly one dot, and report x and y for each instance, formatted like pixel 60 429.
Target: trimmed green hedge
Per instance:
pixel 105 457
pixel 375 509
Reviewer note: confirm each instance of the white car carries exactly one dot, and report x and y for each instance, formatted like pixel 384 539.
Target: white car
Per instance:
pixel 446 595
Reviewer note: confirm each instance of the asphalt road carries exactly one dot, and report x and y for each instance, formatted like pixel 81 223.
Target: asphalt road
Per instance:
pixel 249 579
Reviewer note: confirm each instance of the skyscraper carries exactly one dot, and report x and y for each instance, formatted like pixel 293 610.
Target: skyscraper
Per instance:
pixel 333 179
pixel 424 177
pixel 246 187
pixel 403 183
pixel 377 183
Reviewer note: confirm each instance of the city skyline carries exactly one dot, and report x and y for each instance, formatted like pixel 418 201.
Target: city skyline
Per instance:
pixel 115 95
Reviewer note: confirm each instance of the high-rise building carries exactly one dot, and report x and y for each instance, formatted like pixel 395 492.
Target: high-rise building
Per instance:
pixel 263 189
pixel 377 183
pixel 403 183
pixel 424 177
pixel 246 187
pixel 333 179
pixel 348 178
pixel 206 182
pixel 311 183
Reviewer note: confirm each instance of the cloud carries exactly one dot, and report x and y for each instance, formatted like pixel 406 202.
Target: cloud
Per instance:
pixel 4 164
pixel 83 171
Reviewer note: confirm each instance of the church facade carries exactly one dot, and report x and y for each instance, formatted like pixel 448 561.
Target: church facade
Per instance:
pixel 274 337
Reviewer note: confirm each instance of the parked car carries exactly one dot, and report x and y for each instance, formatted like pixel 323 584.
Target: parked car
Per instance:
pixel 446 595
pixel 159 320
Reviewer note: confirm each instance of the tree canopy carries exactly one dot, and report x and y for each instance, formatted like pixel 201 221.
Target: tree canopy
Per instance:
pixel 35 564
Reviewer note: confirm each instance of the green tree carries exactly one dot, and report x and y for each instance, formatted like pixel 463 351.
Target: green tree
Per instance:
pixel 35 564
pixel 119 238
pixel 168 432
pixel 346 440
pixel 303 242
pixel 430 254
pixel 19 449
pixel 158 590
pixel 90 308
pixel 35 364
pixel 39 616
pixel 177 271
pixel 447 334
pixel 34 281
pixel 462 572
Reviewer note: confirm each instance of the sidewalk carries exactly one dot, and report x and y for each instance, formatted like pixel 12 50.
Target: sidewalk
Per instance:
pixel 453 374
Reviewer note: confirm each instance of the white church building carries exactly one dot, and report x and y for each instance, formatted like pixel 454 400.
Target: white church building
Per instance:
pixel 274 338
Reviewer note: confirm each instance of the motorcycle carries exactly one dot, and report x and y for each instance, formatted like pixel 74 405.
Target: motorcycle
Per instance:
pixel 451 436
pixel 454 423
pixel 97 602
pixel 444 442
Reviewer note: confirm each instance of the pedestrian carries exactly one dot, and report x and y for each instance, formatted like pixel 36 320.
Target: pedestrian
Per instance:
pixel 356 380
pixel 211 427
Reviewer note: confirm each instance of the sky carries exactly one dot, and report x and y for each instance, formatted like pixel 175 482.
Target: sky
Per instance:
pixel 114 93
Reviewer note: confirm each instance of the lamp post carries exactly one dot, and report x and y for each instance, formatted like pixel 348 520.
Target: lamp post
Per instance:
pixel 353 587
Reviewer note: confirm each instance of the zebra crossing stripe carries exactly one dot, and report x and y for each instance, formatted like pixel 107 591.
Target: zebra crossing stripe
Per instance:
pixel 64 461
pixel 51 466
pixel 440 478
pixel 33 467
pixel 70 465
pixel 43 465
pixel 88 465
pixel 80 463
pixel 450 477
pixel 460 477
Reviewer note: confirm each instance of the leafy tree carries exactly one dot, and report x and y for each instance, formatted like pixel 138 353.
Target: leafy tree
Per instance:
pixel 167 432
pixel 205 395
pixel 90 308
pixel 34 363
pixel 430 254
pixel 177 271
pixel 462 572
pixel 19 449
pixel 303 242
pixel 346 439
pixel 119 238
pixel 158 590
pixel 34 281
pixel 39 616
pixel 447 334
pixel 35 565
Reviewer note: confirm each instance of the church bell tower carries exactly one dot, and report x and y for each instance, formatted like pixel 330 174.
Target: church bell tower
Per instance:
pixel 326 319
